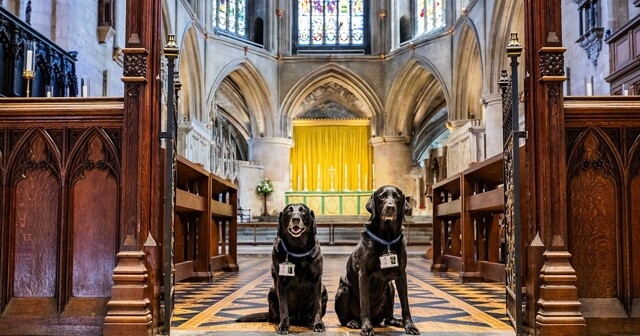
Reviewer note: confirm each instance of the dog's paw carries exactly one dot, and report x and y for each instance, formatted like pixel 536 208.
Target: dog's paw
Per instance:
pixel 411 329
pixel 367 330
pixel 393 322
pixel 318 327
pixel 353 324
pixel 283 329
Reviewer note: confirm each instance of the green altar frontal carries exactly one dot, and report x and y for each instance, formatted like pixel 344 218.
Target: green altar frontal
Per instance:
pixel 327 203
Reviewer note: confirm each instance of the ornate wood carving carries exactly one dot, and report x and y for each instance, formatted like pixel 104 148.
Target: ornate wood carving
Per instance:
pixel 94 153
pixel 593 217
pixel 135 65
pixel 36 154
pixel 551 64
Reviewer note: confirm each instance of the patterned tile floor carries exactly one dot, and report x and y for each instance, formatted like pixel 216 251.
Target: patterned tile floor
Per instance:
pixel 440 305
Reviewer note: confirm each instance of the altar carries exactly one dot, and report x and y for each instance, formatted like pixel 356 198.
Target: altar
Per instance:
pixel 331 203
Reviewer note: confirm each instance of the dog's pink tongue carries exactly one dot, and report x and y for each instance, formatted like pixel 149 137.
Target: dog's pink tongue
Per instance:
pixel 296 229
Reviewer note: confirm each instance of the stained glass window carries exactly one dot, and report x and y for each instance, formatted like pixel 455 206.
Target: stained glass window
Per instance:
pixel 430 15
pixel 230 15
pixel 331 25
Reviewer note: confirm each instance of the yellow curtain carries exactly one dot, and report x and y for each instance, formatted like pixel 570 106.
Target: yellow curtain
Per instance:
pixel 339 148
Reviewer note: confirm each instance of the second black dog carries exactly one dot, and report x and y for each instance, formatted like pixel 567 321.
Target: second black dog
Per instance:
pixel 365 295
pixel 298 296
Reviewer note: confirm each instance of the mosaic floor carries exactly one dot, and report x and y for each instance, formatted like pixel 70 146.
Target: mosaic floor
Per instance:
pixel 439 303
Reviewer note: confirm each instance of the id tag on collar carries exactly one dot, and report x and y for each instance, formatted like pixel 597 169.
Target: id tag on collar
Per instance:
pixel 388 261
pixel 287 269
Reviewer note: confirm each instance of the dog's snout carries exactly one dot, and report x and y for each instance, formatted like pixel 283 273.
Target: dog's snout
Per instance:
pixel 295 220
pixel 391 206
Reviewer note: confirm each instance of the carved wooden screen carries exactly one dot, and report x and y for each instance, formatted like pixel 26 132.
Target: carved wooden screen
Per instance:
pixel 594 214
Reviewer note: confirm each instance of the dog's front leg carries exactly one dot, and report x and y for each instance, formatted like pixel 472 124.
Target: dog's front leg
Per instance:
pixel 401 283
pixel 318 325
pixel 283 327
pixel 365 308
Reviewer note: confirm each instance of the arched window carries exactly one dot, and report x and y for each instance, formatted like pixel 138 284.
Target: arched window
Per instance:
pixel 230 15
pixel 331 25
pixel 430 15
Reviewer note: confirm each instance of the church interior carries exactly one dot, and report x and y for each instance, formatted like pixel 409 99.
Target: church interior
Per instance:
pixel 147 148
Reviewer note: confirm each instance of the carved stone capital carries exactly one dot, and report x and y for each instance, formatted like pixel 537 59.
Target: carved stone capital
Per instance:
pixel 135 65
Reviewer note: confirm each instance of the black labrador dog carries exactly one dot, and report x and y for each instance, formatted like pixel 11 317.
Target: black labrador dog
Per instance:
pixel 298 296
pixel 365 295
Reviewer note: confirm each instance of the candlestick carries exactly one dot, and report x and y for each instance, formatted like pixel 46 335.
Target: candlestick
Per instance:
pixel 29 65
pixel 331 173
pixel 346 176
pixel 305 177
pixel 47 88
pixel 318 179
pixel 290 177
pixel 625 89
pixel 29 61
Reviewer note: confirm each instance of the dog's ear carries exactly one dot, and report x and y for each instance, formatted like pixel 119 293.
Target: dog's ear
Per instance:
pixel 313 222
pixel 407 207
pixel 280 219
pixel 371 205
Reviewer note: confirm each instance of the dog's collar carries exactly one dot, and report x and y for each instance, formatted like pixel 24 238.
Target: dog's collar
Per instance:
pixel 382 241
pixel 297 255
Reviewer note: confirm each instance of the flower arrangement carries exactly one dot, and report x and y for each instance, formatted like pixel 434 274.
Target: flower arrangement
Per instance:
pixel 265 187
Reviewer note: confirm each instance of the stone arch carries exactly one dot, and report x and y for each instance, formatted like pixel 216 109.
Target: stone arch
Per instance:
pixel 468 75
pixel 416 96
pixel 190 67
pixel 247 90
pixel 501 27
pixel 332 82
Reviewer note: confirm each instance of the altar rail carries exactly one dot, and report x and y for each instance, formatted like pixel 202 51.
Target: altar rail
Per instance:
pixel 60 224
pixel 53 66
pixel 330 203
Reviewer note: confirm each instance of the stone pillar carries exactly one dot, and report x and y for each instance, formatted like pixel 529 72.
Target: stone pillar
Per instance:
pixel 392 160
pixel 248 178
pixel 493 123
pixel 275 155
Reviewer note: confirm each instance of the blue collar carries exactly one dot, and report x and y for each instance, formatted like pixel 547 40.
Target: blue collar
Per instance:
pixel 297 255
pixel 382 241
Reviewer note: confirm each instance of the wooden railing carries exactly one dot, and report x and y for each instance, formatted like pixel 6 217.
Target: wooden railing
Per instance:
pixel 60 228
pixel 205 229
pixel 467 212
pixel 53 65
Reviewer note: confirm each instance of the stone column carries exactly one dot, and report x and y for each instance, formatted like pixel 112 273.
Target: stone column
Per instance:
pixel 275 155
pixel 392 160
pixel 493 123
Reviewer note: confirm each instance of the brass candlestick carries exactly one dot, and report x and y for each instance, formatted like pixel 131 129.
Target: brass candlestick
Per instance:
pixel 28 75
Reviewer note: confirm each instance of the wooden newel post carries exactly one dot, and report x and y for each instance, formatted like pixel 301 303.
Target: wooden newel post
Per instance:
pixel 558 309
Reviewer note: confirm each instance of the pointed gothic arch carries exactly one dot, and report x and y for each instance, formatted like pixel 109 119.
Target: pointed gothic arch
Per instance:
pixel 468 75
pixel 190 67
pixel 332 82
pixel 249 93
pixel 501 27
pixel 417 104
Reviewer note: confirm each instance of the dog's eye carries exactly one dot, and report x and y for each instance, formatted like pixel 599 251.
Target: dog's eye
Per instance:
pixel 289 210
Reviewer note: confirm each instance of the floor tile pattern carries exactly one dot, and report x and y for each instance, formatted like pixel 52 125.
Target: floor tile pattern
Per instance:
pixel 439 303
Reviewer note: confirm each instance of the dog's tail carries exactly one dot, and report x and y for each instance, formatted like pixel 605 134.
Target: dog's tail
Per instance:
pixel 256 317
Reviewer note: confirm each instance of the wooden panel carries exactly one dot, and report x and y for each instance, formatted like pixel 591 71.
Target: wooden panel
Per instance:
pixel 449 209
pixel 623 52
pixel 636 43
pixel 183 270
pixel 188 202
pixel 492 271
pixel 37 201
pixel 635 235
pixel 94 222
pixel 221 209
pixel 492 200
pixel 453 263
pixel 593 222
